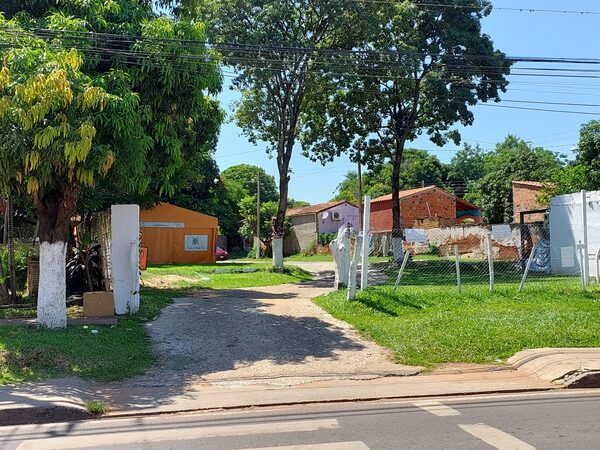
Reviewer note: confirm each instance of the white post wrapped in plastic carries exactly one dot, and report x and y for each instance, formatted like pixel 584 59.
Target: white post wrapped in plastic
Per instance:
pixel 340 249
pixel 125 224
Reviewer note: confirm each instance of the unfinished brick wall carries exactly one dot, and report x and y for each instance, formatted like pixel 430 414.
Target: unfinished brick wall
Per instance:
pixel 524 199
pixel 434 205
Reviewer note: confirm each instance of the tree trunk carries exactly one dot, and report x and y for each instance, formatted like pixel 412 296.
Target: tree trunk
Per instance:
pixel 10 244
pixel 4 296
pixel 54 209
pixel 283 162
pixel 397 228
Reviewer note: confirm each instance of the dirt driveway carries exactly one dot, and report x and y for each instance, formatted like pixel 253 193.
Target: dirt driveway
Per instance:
pixel 271 335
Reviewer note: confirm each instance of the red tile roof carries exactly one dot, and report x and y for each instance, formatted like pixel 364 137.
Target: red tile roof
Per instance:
pixel 314 209
pixel 406 193
pixel 536 184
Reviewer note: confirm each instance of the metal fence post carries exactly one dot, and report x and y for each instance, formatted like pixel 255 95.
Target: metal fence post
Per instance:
pixel 364 270
pixel 586 257
pixel 457 261
pixel 402 267
pixel 490 255
pixel 529 261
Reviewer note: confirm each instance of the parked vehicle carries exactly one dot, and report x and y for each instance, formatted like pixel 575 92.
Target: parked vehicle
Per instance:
pixel 221 254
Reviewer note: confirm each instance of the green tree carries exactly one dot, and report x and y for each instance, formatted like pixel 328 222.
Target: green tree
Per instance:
pixel 268 210
pixel 348 189
pixel 293 203
pixel 513 159
pixel 48 115
pixel 276 84
pixel 245 175
pixel 588 154
pixel 465 168
pixel 429 66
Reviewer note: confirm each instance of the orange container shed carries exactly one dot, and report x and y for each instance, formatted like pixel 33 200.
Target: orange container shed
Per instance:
pixel 175 235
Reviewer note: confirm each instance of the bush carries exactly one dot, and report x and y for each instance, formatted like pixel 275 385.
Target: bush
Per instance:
pixel 311 250
pixel 326 238
pixel 21 258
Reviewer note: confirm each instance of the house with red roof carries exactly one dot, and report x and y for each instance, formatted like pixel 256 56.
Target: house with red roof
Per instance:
pixel 426 207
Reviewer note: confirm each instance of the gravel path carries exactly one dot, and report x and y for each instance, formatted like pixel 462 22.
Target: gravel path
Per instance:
pixel 271 335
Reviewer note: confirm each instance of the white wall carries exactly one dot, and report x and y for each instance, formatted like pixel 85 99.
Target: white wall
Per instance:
pixel 566 232
pixel 125 231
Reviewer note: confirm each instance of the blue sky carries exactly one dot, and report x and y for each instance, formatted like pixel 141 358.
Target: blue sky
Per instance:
pixel 516 34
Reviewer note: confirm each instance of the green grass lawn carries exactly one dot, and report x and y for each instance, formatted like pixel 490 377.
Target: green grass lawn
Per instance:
pixel 115 353
pixel 426 322
pixel 221 276
pixel 123 350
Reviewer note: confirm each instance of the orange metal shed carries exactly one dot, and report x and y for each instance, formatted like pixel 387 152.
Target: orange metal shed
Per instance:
pixel 175 235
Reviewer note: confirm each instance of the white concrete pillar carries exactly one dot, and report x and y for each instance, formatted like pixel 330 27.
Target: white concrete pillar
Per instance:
pixel 125 242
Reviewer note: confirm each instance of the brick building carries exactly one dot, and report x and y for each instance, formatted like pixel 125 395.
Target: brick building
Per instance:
pixel 525 195
pixel 426 207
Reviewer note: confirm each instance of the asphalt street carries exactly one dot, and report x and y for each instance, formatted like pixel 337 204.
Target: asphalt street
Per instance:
pixel 549 420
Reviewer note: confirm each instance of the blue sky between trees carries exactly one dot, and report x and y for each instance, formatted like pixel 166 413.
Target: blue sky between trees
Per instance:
pixel 517 33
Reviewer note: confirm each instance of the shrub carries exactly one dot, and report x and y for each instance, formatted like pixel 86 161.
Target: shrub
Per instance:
pixel 326 238
pixel 21 257
pixel 311 250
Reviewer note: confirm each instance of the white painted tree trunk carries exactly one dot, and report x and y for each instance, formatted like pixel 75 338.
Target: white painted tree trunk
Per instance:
pixel 397 248
pixel 354 269
pixel 278 253
pixel 52 305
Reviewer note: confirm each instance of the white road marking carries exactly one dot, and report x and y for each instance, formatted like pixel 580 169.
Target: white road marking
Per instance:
pixel 136 435
pixel 496 438
pixel 436 408
pixel 356 445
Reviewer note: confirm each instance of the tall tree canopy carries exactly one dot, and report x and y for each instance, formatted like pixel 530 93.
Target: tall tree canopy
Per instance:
pixel 141 104
pixel 420 168
pixel 48 115
pixel 513 159
pixel 421 70
pixel 245 175
pixel 465 168
pixel 273 46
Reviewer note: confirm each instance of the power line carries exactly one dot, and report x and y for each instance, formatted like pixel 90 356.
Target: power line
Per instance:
pixel 544 110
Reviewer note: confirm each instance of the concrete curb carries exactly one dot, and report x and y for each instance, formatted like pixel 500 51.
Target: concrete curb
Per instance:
pixel 136 413
pixel 570 368
pixel 51 412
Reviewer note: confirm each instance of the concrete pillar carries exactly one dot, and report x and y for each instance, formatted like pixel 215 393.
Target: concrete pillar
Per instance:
pixel 125 244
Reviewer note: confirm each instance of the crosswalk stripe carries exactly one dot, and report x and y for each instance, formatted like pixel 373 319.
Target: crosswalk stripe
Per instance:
pixel 496 438
pixel 356 445
pixel 137 436
pixel 436 408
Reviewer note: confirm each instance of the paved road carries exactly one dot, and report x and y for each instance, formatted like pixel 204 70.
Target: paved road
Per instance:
pixel 559 420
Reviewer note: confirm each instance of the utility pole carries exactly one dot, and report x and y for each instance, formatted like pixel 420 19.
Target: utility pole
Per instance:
pixel 360 192
pixel 257 243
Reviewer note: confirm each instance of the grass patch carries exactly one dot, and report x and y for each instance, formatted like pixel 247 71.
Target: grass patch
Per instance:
pixel 96 407
pixel 221 276
pixel 426 322
pixel 123 350
pixel 115 353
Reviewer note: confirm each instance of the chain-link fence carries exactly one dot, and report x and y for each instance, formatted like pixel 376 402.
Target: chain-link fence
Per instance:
pixel 490 258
